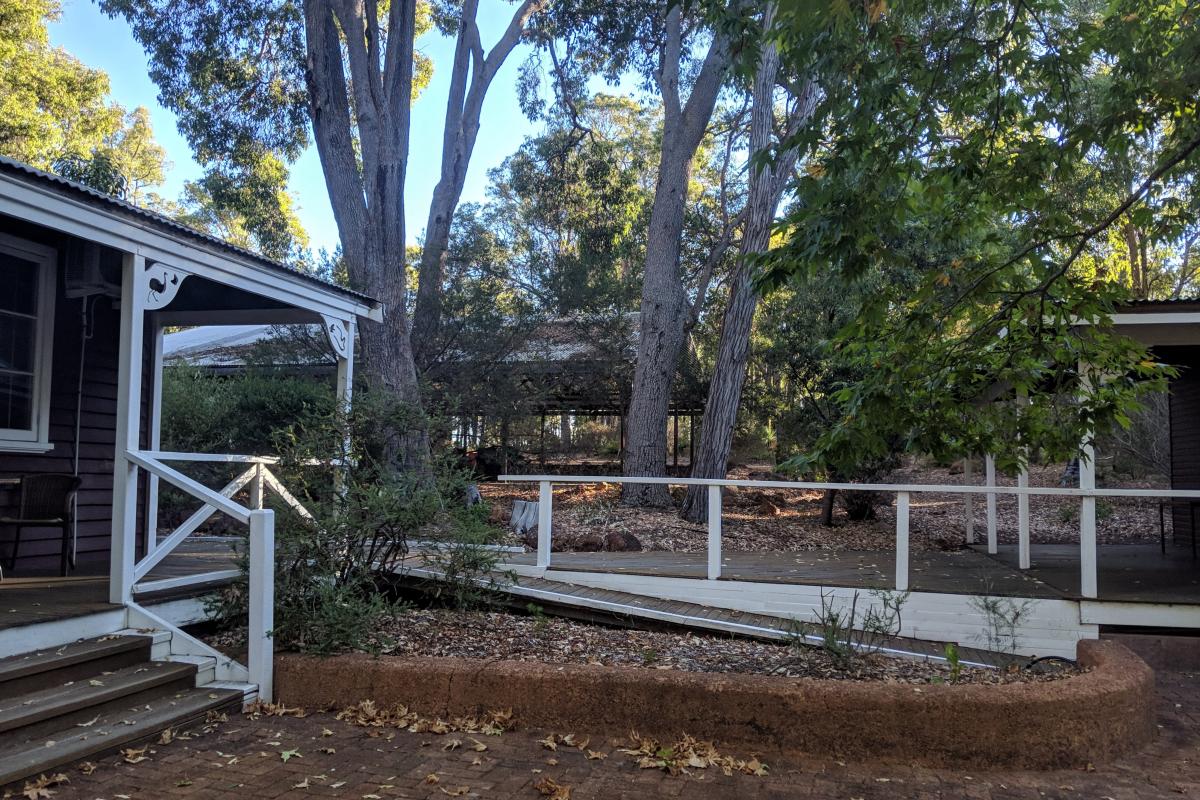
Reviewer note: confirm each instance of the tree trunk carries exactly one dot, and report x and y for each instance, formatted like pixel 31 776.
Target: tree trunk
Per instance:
pixel 564 432
pixel 368 202
pixel 664 300
pixel 733 351
pixel 470 77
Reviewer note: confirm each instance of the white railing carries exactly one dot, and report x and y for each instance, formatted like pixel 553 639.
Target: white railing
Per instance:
pixel 261 521
pixel 903 492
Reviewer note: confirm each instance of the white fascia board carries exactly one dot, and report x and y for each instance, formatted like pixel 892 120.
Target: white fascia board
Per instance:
pixel 1155 318
pixel 45 207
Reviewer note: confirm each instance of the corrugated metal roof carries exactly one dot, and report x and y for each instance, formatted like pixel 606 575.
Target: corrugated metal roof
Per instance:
pixel 1177 304
pixel 165 224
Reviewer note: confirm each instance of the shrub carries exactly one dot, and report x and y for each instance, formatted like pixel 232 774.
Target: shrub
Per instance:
pixel 327 564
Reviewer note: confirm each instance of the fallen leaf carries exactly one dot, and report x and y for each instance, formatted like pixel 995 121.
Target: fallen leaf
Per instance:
pixel 134 755
pixel 432 779
pixel 40 787
pixel 285 755
pixel 457 791
pixel 553 789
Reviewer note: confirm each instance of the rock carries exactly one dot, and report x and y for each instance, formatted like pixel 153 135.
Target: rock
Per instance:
pixel 621 542
pixel 767 508
pixel 589 544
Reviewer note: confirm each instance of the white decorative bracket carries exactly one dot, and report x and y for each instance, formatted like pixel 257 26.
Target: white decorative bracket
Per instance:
pixel 159 285
pixel 338 332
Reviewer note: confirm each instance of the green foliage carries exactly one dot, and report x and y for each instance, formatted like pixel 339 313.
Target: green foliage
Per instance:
pixel 51 105
pixel 207 413
pixel 961 144
pixel 573 207
pixel 1003 617
pixel 327 565
pixel 844 632
pixel 55 112
pixel 950 651
pixel 246 203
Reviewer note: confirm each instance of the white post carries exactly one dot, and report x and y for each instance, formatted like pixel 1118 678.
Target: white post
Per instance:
pixel 545 498
pixel 345 394
pixel 714 532
pixel 156 331
pixel 256 487
pixel 989 469
pixel 262 601
pixel 901 541
pixel 129 396
pixel 969 501
pixel 1023 560
pixel 1088 562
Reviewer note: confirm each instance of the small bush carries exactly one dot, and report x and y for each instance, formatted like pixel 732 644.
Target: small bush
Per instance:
pixel 327 564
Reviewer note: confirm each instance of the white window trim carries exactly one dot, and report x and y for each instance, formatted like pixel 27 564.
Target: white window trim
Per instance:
pixel 37 439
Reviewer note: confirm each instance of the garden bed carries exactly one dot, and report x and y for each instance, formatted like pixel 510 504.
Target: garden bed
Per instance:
pixel 491 636
pixel 1083 719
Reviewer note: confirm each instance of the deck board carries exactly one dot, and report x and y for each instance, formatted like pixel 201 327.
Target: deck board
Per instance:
pixel 956 572
pixel 29 601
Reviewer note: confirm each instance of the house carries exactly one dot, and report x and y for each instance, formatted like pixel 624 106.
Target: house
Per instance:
pixel 89 285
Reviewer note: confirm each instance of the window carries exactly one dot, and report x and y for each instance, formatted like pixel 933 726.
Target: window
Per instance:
pixel 26 340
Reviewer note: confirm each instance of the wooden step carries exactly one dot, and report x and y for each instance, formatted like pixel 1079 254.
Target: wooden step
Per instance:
pixel 43 669
pixel 77 702
pixel 113 731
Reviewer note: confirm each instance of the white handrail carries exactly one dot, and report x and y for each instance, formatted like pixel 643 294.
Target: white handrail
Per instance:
pixel 1088 565
pixel 192 487
pixel 948 488
pixel 234 458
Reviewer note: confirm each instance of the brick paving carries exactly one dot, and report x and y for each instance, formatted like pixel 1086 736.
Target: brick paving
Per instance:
pixel 243 758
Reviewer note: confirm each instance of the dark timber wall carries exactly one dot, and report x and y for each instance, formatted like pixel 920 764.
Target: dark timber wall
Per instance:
pixel 97 430
pixel 1185 433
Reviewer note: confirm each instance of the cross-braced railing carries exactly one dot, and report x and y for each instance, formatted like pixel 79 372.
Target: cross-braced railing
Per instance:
pixel 261 521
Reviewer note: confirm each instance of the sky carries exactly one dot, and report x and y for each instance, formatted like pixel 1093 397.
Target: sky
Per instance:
pixel 107 44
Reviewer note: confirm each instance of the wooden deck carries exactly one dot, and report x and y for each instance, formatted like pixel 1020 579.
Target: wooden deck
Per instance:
pixel 28 601
pixel 1127 573
pixel 957 572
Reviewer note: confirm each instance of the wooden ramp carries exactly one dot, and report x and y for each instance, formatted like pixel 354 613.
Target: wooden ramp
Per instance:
pixel 628 608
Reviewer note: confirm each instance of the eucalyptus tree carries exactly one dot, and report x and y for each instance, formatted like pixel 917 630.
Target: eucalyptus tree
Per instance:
pixel 249 80
pixel 773 120
pixel 686 62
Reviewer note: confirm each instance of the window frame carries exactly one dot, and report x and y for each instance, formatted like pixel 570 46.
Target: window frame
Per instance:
pixel 36 438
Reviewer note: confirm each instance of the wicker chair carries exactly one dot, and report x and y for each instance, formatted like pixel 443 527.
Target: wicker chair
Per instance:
pixel 46 502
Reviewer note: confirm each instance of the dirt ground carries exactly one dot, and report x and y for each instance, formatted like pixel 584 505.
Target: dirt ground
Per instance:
pixel 789 520
pixel 320 756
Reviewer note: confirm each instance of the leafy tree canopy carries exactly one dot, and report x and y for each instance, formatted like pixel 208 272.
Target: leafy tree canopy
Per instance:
pixel 964 143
